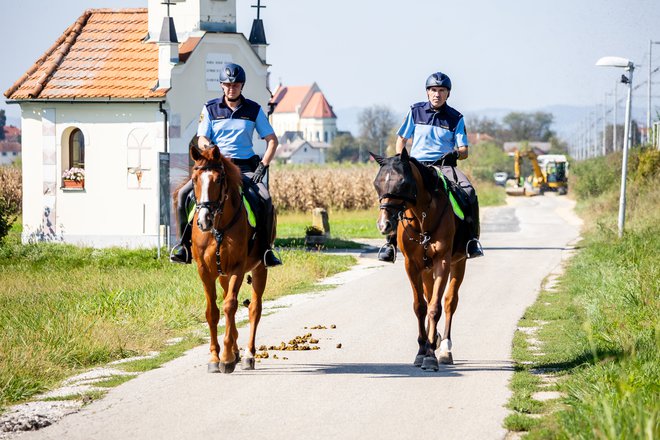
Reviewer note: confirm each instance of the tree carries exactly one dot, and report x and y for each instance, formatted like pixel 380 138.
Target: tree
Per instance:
pixel 485 125
pixel 531 127
pixel 3 121
pixel 344 149
pixel 376 124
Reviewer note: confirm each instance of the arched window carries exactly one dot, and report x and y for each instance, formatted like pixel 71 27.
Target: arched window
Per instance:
pixel 76 149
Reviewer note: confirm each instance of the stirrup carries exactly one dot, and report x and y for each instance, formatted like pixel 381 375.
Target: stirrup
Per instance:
pixel 386 245
pixel 276 255
pixel 175 259
pixel 480 250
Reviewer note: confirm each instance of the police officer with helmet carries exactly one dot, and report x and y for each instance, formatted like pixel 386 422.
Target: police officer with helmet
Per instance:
pixel 229 122
pixel 438 134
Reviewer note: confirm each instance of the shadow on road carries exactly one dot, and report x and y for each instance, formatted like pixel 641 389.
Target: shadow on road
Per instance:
pixel 529 248
pixel 384 371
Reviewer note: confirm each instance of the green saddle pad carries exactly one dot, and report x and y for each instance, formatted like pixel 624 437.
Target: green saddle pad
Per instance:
pixel 452 199
pixel 252 219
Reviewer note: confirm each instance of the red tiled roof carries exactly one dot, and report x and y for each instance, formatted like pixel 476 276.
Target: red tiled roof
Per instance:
pixel 101 55
pixel 318 107
pixel 288 99
pixel 475 138
pixel 11 132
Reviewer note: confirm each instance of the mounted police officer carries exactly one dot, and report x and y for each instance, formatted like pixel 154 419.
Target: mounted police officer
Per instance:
pixel 229 122
pixel 439 138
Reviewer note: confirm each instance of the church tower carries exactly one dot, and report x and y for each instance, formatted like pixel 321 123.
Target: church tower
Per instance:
pixel 191 16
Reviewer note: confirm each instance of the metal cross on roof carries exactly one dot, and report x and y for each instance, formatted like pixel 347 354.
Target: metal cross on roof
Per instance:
pixel 168 3
pixel 258 6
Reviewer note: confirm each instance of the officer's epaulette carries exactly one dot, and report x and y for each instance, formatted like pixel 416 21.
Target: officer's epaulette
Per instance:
pixel 452 111
pixel 419 104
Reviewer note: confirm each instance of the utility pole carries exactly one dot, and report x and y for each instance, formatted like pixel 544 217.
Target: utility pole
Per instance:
pixel 616 104
pixel 604 127
pixel 648 107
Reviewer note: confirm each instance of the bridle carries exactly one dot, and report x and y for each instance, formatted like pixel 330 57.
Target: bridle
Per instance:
pixel 216 207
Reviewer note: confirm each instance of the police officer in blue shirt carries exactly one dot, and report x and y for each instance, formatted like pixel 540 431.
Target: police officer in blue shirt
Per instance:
pixel 439 138
pixel 229 122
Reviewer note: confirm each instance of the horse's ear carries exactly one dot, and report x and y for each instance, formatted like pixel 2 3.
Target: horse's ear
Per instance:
pixel 379 159
pixel 216 153
pixel 404 155
pixel 195 153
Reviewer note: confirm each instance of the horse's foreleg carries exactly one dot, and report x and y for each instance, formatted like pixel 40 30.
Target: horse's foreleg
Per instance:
pixel 259 277
pixel 229 355
pixel 451 302
pixel 419 307
pixel 439 281
pixel 212 318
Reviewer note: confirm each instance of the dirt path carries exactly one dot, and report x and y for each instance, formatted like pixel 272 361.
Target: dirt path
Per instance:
pixel 368 387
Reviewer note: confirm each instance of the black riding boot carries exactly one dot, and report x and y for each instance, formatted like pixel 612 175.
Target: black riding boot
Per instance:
pixel 387 251
pixel 181 253
pixel 270 259
pixel 473 248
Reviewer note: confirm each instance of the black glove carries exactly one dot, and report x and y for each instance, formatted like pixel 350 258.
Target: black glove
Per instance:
pixel 449 159
pixel 259 173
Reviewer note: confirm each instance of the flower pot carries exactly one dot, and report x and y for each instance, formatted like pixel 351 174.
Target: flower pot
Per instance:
pixel 73 183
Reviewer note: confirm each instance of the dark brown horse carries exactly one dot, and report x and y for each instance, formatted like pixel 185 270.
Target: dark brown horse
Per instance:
pixel 224 246
pixel 432 240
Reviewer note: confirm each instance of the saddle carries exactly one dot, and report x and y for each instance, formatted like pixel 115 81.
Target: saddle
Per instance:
pixel 458 198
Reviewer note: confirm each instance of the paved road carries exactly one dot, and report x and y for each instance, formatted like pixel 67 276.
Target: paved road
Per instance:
pixel 367 388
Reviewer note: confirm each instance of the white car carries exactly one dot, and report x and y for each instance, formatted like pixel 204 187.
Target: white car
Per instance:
pixel 500 178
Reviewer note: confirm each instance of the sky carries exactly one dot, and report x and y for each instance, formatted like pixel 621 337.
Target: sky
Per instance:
pixel 514 54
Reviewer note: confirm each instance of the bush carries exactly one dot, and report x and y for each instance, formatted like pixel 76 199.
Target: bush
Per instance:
pixel 10 198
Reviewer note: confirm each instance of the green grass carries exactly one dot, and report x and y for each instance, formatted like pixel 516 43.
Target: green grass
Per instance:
pixel 602 335
pixel 344 225
pixel 64 309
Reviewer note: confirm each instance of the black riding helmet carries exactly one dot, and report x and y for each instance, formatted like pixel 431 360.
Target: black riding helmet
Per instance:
pixel 232 73
pixel 438 79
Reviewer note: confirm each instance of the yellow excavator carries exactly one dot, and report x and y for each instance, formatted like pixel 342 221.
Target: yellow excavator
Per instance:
pixel 550 174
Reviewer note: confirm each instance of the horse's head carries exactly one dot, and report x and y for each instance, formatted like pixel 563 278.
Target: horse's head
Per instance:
pixel 209 181
pixel 396 187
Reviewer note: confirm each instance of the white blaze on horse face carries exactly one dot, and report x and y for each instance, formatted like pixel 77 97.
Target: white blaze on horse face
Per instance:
pixel 204 215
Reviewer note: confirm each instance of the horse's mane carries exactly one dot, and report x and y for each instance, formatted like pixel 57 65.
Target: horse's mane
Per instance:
pixel 429 175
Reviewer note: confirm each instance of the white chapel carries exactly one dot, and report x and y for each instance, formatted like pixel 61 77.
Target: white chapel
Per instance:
pixel 118 96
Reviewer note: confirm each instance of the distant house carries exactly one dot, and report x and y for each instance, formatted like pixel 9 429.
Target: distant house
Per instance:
pixel 10 147
pixel 537 147
pixel 10 152
pixel 303 109
pixel 475 138
pixel 119 94
pixel 297 150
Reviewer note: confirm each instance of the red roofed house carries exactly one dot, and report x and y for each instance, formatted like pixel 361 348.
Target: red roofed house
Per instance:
pixel 305 123
pixel 119 94
pixel 303 109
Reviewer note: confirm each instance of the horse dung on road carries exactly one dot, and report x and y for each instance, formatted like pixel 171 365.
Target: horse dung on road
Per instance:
pixel 432 240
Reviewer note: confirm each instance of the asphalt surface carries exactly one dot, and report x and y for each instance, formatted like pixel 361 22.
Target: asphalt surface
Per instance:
pixel 368 388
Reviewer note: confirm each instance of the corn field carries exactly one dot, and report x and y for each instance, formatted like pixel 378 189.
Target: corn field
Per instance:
pixel 302 188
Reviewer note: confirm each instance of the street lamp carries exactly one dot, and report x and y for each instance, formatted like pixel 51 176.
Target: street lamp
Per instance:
pixel 630 67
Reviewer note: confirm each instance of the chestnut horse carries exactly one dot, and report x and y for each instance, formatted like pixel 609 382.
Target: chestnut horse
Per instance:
pixel 432 240
pixel 224 246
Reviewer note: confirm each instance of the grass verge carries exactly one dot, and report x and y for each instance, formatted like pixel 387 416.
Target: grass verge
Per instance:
pixel 598 331
pixel 64 309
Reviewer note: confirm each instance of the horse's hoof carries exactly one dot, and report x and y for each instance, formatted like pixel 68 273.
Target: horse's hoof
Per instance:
pixel 227 368
pixel 212 367
pixel 446 358
pixel 247 363
pixel 430 363
pixel 418 360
